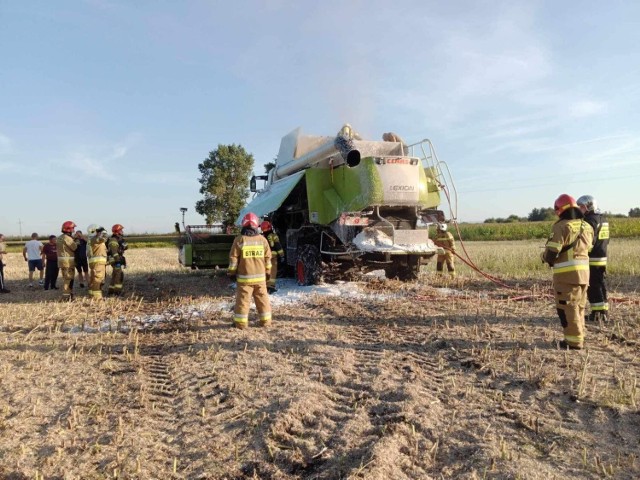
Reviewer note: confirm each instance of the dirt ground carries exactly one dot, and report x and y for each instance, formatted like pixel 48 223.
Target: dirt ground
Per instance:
pixel 373 379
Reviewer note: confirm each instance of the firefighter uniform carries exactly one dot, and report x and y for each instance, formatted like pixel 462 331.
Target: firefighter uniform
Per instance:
pixel 277 254
pixel 567 252
pixel 250 263
pixel 97 263
pixel 116 247
pixel 445 240
pixel 67 246
pixel 597 291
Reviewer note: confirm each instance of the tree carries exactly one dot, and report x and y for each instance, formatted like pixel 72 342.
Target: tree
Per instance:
pixel 224 183
pixel 269 166
pixel 541 214
pixel 634 212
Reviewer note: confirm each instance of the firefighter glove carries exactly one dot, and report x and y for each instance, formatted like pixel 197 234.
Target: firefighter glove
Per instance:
pixel 267 276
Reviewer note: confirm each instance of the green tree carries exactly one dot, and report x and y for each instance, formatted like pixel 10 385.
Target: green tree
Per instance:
pixel 541 214
pixel 224 183
pixel 269 166
pixel 634 212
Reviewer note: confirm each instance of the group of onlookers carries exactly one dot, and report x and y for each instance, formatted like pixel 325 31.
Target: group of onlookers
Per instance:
pixel 74 252
pixel 44 258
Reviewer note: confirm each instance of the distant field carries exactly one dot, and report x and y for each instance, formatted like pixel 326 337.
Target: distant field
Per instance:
pixel 620 228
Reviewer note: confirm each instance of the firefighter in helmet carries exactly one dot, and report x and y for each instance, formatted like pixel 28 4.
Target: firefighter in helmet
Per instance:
pixel 250 266
pixel 277 253
pixel 97 253
pixel 116 247
pixel 445 240
pixel 66 247
pixel 567 252
pixel 597 290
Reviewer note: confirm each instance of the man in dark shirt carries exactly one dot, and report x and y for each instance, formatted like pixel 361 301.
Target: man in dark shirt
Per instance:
pixel 82 264
pixel 50 259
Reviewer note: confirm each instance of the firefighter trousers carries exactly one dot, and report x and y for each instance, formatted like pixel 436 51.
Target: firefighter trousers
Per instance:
pixel 244 293
pixel 597 291
pixel 117 279
pixel 570 305
pixel 67 277
pixel 448 259
pixel 274 272
pixel 97 272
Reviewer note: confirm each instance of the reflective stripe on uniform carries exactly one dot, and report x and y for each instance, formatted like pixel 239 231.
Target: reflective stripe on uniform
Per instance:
pixel 571 266
pixel 265 316
pixel 66 258
pixel 97 260
pixel 554 246
pixel 598 262
pixel 577 339
pixel 600 307
pixel 252 279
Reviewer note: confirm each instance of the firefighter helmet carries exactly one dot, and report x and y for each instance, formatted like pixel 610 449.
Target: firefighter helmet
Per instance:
pixel 68 226
pixel 588 202
pixel 117 229
pixel 564 202
pixel 250 220
pixel 265 226
pixel 94 229
pixel 442 227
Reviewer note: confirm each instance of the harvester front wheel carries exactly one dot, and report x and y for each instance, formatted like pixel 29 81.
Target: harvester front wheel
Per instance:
pixel 308 265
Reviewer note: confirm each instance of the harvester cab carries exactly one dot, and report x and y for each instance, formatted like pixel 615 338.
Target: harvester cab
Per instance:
pixel 344 202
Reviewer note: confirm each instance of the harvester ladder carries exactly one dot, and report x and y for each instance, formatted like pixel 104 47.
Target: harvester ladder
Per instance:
pixel 425 150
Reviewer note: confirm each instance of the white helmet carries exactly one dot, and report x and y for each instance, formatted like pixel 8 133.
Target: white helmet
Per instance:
pixel 442 227
pixel 588 202
pixel 94 229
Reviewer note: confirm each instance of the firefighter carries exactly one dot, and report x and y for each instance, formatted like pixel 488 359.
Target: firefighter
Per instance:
pixel 116 247
pixel 250 266
pixel 445 240
pixel 67 246
pixel 277 254
pixel 567 252
pixel 597 290
pixel 97 253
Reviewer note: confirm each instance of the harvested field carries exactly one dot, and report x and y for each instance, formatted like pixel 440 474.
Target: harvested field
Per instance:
pixel 373 379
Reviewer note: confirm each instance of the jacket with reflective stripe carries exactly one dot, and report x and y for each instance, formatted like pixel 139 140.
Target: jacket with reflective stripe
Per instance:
pixel 66 246
pixel 274 243
pixel 250 259
pixel 572 265
pixel 97 251
pixel 598 254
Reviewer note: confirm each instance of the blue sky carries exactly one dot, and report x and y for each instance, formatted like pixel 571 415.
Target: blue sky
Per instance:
pixel 107 106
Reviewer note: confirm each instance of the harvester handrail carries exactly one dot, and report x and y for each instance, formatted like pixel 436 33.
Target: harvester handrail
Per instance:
pixel 443 174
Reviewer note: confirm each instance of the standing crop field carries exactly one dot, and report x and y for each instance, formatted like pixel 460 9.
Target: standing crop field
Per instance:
pixel 370 379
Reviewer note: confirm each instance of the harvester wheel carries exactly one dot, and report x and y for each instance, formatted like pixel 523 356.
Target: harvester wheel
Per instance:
pixel 308 265
pixel 407 270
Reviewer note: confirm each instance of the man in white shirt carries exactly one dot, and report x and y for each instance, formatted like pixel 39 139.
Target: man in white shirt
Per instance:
pixel 32 253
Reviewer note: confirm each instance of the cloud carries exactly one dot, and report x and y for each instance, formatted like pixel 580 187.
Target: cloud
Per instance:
pixel 5 144
pixel 586 108
pixel 88 166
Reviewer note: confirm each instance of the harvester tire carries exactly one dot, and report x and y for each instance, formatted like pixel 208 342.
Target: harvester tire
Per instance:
pixel 405 271
pixel 308 268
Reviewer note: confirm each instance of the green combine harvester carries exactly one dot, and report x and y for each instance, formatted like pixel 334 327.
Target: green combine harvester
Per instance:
pixel 342 203
pixel 204 246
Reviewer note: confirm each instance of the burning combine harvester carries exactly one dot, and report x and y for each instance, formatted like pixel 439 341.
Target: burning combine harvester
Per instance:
pixel 343 202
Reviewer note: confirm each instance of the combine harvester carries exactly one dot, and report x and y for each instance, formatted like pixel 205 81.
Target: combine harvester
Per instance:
pixel 341 203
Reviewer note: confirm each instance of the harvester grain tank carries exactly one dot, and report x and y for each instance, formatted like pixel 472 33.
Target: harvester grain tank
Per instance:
pixel 342 202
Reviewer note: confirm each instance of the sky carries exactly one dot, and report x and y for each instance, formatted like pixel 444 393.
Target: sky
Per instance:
pixel 107 106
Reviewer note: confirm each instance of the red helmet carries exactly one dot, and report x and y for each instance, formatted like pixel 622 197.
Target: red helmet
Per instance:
pixel 250 220
pixel 265 226
pixel 117 229
pixel 564 202
pixel 68 226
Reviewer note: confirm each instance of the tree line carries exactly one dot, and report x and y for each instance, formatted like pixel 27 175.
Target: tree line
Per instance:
pixel 545 214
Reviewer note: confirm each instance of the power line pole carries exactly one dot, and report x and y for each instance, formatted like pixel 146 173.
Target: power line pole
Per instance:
pixel 20 226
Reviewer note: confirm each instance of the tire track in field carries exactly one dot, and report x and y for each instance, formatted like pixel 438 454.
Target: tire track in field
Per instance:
pixel 185 407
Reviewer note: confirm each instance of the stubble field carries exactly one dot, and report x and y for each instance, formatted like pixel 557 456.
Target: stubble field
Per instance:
pixel 373 379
